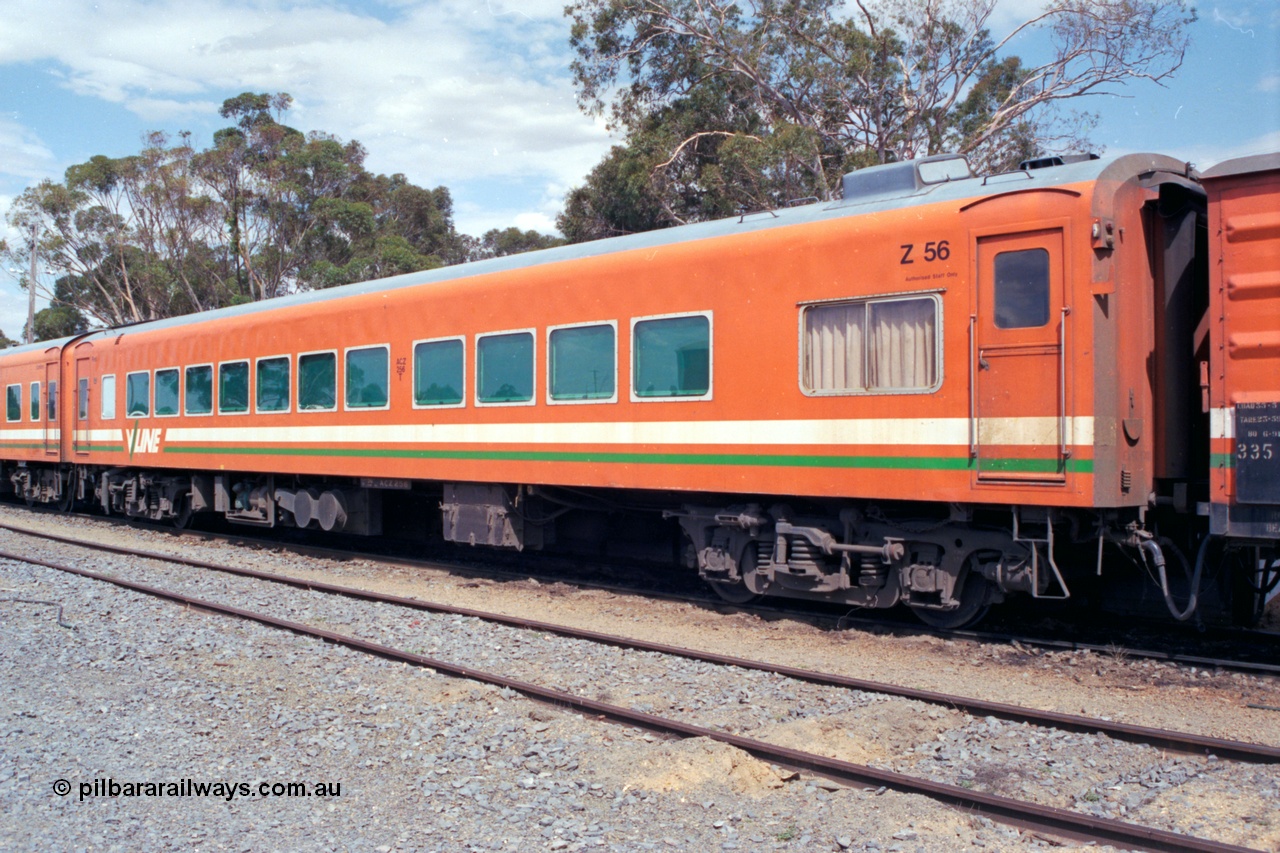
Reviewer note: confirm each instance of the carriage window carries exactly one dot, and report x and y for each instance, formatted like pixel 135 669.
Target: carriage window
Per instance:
pixel 108 397
pixel 273 384
pixel 834 347
pixel 200 389
pixel 871 345
pixel 504 368
pixel 82 400
pixel 581 362
pixel 368 378
pixel 137 395
pixel 35 401
pixel 438 373
pixel 13 403
pixel 318 382
pixel 1022 289
pixel 671 357
pixel 233 388
pixel 52 407
pixel 167 392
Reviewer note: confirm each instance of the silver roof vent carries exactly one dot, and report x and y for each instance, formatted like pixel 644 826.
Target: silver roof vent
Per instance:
pixel 906 177
pixel 1052 160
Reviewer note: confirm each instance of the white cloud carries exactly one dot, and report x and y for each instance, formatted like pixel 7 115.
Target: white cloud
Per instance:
pixel 167 112
pixel 22 152
pixel 1204 156
pixel 445 91
pixel 13 309
pixel 536 222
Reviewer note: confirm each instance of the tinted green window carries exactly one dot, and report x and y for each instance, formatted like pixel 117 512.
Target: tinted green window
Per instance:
pixel 1022 289
pixel 137 395
pixel 53 401
pixel 368 378
pixel 13 403
pixel 82 400
pixel 199 390
pixel 437 373
pixel 504 368
pixel 317 381
pixel 672 357
pixel 582 363
pixel 35 401
pixel 233 387
pixel 273 384
pixel 167 392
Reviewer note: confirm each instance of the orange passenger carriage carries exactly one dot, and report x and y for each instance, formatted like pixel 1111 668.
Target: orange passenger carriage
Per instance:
pixel 31 439
pixel 929 392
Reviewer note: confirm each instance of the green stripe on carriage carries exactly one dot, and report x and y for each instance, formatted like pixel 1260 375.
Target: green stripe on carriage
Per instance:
pixel 1034 466
pixel 904 463
pixel 1222 460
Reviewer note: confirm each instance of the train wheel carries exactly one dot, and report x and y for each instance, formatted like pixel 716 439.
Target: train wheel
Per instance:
pixel 734 593
pixel 975 601
pixel 182 517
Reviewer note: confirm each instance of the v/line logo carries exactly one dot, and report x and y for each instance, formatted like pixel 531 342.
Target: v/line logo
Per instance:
pixel 142 440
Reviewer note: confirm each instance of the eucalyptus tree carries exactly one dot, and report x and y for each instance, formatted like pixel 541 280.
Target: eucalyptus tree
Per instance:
pixel 131 238
pixel 265 210
pixel 797 91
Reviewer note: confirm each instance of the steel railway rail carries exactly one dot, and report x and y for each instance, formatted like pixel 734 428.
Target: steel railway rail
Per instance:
pixel 1160 738
pixel 880 622
pixel 1049 819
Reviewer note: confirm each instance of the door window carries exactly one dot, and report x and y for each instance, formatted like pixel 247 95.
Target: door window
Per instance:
pixel 1022 289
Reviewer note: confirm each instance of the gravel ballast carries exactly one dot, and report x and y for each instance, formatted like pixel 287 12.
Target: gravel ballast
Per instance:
pixel 142 690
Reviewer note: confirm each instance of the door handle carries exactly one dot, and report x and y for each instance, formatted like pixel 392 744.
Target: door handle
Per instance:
pixel 973 391
pixel 1065 448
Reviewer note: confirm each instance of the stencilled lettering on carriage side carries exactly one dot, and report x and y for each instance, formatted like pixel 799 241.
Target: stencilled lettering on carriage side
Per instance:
pixel 1257 456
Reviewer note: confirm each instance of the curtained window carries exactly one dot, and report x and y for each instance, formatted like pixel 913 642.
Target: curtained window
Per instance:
pixel 871 345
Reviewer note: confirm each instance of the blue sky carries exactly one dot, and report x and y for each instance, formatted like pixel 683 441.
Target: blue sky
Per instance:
pixel 472 94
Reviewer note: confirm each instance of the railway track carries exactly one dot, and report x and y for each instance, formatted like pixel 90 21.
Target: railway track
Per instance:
pixel 1264 660
pixel 1161 738
pixel 1041 817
